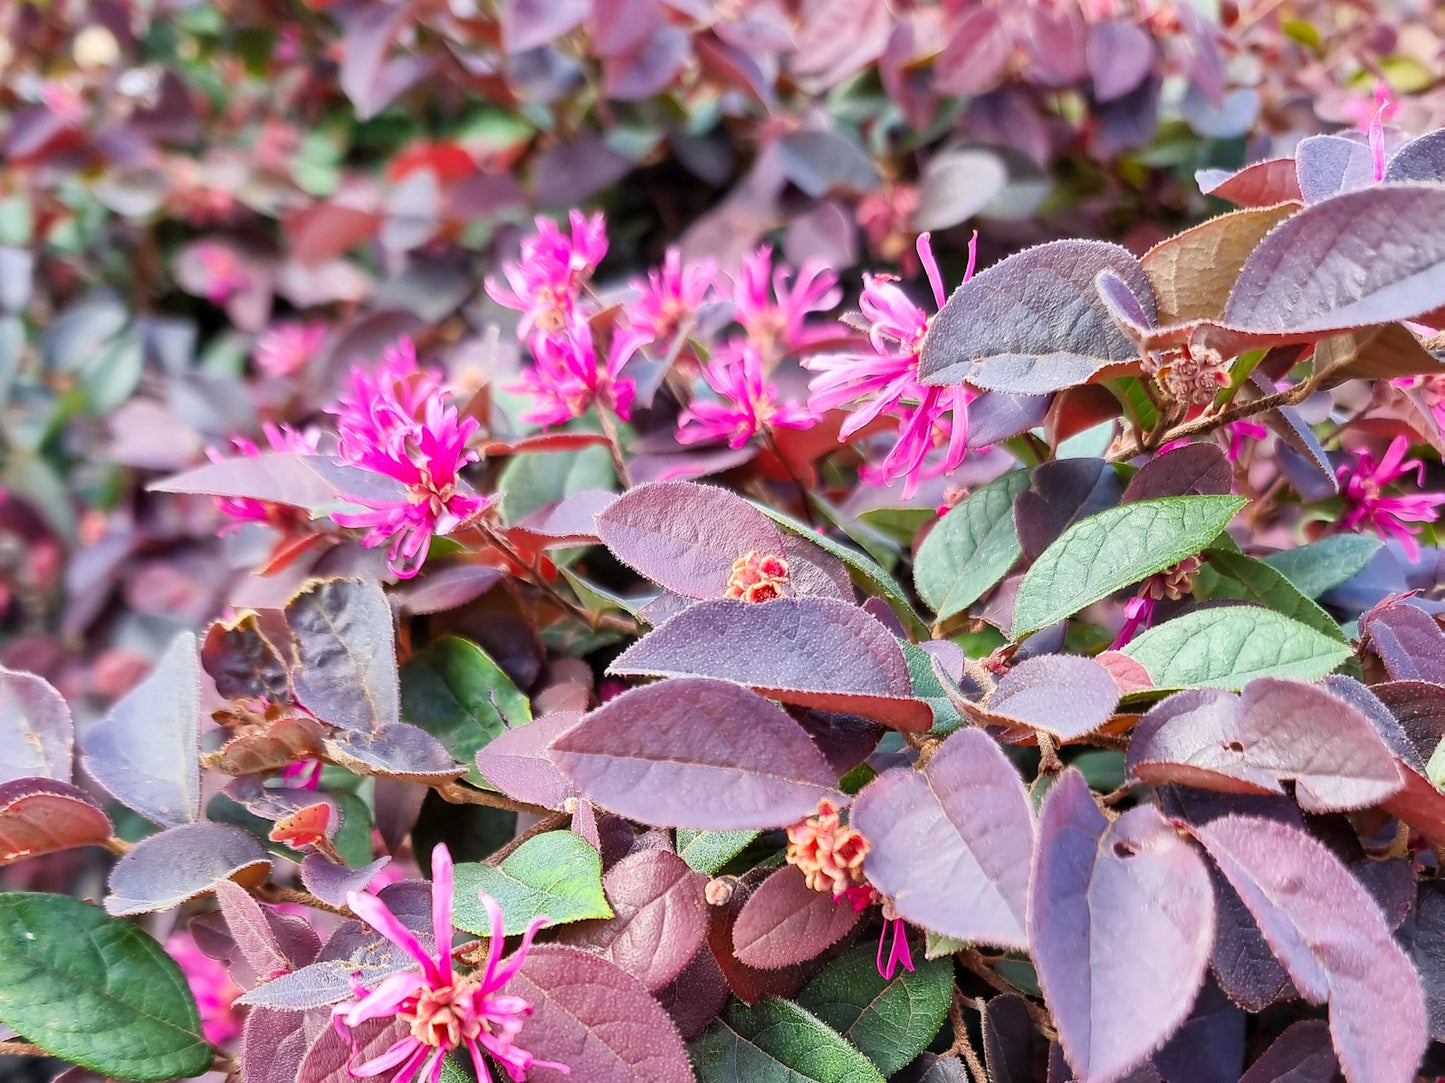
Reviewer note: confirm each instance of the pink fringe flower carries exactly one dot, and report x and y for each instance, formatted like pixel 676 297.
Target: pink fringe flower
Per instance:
pixel 885 380
pixel 444 1010
pixel 212 986
pixel 281 438
pixel 671 296
pixel 545 282
pixel 567 376
pixel 394 422
pixel 773 305
pixel 747 403
pixel 1362 486
pixel 285 347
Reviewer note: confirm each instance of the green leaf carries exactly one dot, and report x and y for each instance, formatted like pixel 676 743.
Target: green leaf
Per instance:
pixel 454 691
pixel 1255 581
pixel 453 1072
pixel 556 874
pixel 890 1022
pixel 875 579
pixel 1229 646
pixel 95 990
pixel 928 687
pixel 533 480
pixel 938 946
pixel 1325 564
pixel 971 548
pixel 709 851
pixel 775 1041
pixel 1113 549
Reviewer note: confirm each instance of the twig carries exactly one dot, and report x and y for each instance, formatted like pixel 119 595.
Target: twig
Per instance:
pixel 975 962
pixel 961 1042
pixel 273 893
pixel 456 794
pixel 23 1049
pixel 614 446
pixel 551 822
pixel 596 621
pixel 118 846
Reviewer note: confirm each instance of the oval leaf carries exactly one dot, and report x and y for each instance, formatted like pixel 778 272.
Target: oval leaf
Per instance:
pixel 1192 271
pixel 555 874
pixel 1121 922
pixel 344 667
pixel 785 922
pixel 1113 549
pixel 971 548
pixel 951 832
pixel 669 754
pixel 182 863
pixel 38 816
pixel 775 1041
pixel 1062 694
pixel 36 732
pixel 814 652
pixel 1229 646
pixel 96 991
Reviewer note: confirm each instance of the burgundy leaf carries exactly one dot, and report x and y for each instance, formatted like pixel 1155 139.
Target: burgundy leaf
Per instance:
pixel 785 922
pixel 529 24
pixel 253 934
pixel 947 841
pixel 1262 184
pixel 935 1068
pixel 313 483
pixel 698 754
pixel 516 762
pixel 242 662
pixel 395 750
pixel 1063 694
pixel 1195 738
pixel 660 918
pixel 815 652
pixel 976 55
pixel 344 666
pixel 1321 924
pixel 1302 1054
pixel 367 77
pixel 145 753
pixel 1320 270
pixel 36 732
pixel 1427 949
pixel 1034 322
pixel 1419 707
pixel 1408 641
pixel 1121 56
pixel 845 739
pixel 1209 1047
pixel 1121 920
pixel 331 882
pixel 1054 40
pixel 1008 1039
pixel 695 996
pixel 570 521
pixel 597 1020
pixel 685 537
pixel 1192 470
pixel 42 816
pixel 1242 961
pixel 1061 493
pixel 183 863
pixel 449 588
pixel 273 1043
pixel 1420 159
pixel 329 1057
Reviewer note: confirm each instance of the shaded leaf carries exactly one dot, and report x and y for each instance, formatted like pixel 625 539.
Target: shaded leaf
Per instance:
pixel 971 548
pixel 555 874
pixel 36 732
pixel 1302 1054
pixel 344 666
pixel 42 816
pixel 1192 272
pixel 1191 470
pixel 785 922
pixel 951 831
pixel 709 851
pixel 1255 581
pixel 776 1041
pixel 242 662
pixel 96 991
pixel 1121 921
pixel 183 863
pixel 1062 493
pixel 890 1022
pixel 145 752
pixel 668 754
pixel 1420 159
pixel 1229 646
pixel 1408 641
pixel 1113 549
pixel 1262 184
pixel 814 652
pixel 1008 1039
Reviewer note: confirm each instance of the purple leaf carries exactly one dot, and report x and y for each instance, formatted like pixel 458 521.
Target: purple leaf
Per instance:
pixel 1242 961
pixel 273 1044
pixel 516 762
pixel 1330 164
pixel 395 750
pixel 1062 493
pixel 1195 738
pixel 814 652
pixel 955 830
pixel 571 520
pixel 1262 184
pixel 822 163
pixel 1121 56
pixel 1408 640
pixel 331 882
pixel 1055 43
pixel 1427 949
pixel 36 733
pixel 183 863
pixel 993 416
pixel 42 816
pixel 696 995
pixel 1062 694
pixel 1192 470
pixel 685 537
pixel 449 588
pixel 1420 159
pixel 314 483
pixel 1121 919
pixel 1320 270
pixel 660 918
pixel 250 927
pixel 1321 924
pixel 596 1019
pixel 785 922
pixel 956 185
pixel 1008 1039
pixel 530 24
pixel 145 752
pixel 343 668
pixel 367 77
pixel 975 56
pixel 696 753
pixel 1209 1047
pixel 242 661
pixel 1302 1054
pixel 1034 323
pixel 331 1054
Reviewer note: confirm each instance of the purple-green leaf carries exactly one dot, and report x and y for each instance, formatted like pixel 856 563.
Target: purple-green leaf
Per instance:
pixel 947 841
pixel 696 753
pixel 1121 920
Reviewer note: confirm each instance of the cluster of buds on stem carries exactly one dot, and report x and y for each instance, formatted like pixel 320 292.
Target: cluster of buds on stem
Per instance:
pixel 758 578
pixel 1191 374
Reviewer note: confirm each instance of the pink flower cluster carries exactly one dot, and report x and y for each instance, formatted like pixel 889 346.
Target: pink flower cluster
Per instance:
pixel 395 422
pixel 1362 484
pixel 444 1010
